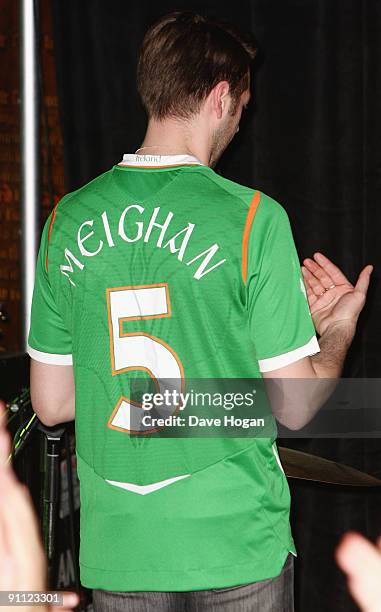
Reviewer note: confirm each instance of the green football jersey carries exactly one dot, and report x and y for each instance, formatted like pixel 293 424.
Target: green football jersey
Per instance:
pixel 161 267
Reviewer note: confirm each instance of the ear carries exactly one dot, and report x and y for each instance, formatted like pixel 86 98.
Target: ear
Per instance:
pixel 220 98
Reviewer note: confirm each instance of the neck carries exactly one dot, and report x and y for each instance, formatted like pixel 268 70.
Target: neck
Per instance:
pixel 172 137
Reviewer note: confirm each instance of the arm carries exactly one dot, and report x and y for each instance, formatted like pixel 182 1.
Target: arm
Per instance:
pixel 52 392
pixel 50 343
pixel 335 312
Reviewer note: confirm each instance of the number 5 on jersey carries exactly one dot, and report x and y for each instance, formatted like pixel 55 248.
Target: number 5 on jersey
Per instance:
pixel 139 350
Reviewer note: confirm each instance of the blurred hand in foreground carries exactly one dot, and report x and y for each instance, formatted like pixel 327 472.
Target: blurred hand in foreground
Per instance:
pixel 23 565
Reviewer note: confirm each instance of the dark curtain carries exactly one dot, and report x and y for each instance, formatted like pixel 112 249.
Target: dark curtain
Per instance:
pixel 312 140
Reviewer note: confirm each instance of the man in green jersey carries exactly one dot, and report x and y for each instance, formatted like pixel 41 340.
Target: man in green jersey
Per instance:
pixel 161 267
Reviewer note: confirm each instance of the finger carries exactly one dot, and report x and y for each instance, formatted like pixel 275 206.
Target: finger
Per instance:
pixel 70 600
pixel 5 446
pixel 317 302
pixel 355 554
pixel 8 573
pixel 363 279
pixel 310 294
pixel 320 273
pixel 3 414
pixel 5 442
pixel 20 528
pixel 361 561
pixel 313 283
pixel 333 271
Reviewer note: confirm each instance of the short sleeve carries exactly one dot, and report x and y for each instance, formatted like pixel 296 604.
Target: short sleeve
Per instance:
pixel 280 321
pixel 49 340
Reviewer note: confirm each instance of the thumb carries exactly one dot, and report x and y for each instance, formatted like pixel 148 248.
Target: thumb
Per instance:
pixel 363 279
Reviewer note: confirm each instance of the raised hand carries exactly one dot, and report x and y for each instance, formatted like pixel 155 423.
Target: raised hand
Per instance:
pixel 331 297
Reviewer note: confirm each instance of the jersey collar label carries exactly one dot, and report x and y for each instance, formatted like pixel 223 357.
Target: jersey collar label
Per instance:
pixel 159 161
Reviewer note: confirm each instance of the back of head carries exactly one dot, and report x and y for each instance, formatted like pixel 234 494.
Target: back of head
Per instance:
pixel 183 56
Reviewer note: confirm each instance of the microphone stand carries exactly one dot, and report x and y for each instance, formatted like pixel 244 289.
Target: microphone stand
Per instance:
pixel 52 444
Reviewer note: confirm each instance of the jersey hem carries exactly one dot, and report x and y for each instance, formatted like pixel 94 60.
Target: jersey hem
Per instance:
pixel 49 358
pixel 189 580
pixel 273 363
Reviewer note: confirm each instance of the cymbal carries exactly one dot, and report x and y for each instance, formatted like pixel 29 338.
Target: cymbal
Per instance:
pixel 304 466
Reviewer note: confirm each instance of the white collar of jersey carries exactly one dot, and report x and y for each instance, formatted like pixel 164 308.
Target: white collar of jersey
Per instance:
pixel 149 161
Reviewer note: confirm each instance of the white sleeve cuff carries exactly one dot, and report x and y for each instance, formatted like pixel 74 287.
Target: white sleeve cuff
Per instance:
pixel 50 358
pixel 273 363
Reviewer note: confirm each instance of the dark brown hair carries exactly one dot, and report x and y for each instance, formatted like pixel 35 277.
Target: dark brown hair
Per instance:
pixel 183 56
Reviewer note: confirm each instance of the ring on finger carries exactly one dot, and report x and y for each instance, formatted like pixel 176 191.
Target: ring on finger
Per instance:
pixel 327 288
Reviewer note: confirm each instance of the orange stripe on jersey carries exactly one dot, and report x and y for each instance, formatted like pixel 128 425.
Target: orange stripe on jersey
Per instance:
pixel 49 232
pixel 246 232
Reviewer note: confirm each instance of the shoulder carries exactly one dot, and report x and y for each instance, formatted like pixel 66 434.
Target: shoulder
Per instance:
pixel 71 206
pixel 268 207
pixel 66 211
pixel 82 193
pixel 224 186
